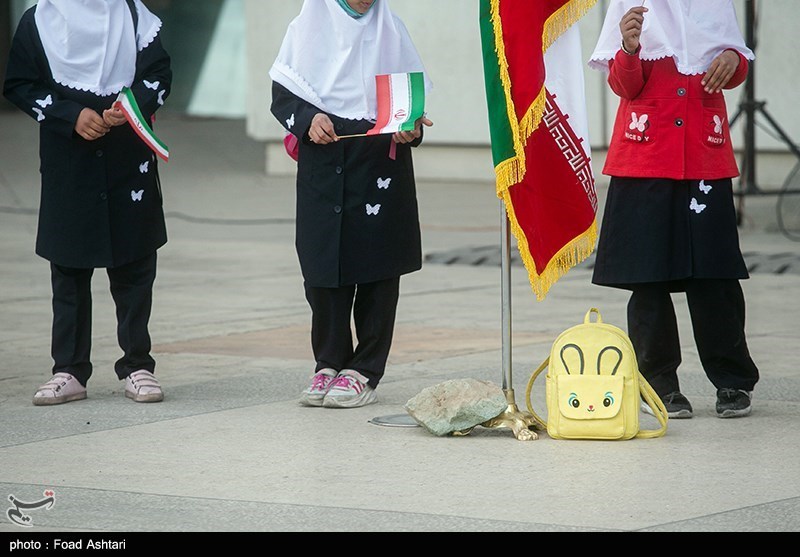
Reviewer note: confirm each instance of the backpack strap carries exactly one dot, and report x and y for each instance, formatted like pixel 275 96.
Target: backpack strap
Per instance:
pixel 654 401
pixel 536 417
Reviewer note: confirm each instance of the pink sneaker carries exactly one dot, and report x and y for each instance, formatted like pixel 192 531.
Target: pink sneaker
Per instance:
pixel 142 386
pixel 61 388
pixel 320 383
pixel 349 390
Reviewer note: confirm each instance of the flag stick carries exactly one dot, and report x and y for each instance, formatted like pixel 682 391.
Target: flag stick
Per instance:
pixel 354 135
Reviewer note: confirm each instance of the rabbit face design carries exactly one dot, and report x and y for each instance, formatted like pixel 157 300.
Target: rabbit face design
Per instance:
pixel 593 395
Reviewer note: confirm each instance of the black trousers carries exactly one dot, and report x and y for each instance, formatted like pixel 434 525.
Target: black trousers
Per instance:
pixel 717 310
pixel 372 308
pixel 132 290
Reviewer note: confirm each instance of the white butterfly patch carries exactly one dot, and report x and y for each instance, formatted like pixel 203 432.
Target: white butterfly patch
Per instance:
pixel 45 102
pixel 39 114
pixel 705 188
pixel 717 124
pixel 290 122
pixel 144 167
pixel 373 210
pixel 161 97
pixel 697 207
pixel 137 195
pixel 384 184
pixel 151 85
pixel 638 123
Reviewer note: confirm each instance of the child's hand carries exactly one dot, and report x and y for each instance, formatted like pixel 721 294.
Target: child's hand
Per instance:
pixel 408 137
pixel 90 125
pixel 114 117
pixel 322 130
pixel 720 71
pixel 631 28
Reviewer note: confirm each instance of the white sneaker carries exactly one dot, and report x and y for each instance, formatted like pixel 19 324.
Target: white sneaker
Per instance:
pixel 349 390
pixel 142 386
pixel 61 388
pixel 316 391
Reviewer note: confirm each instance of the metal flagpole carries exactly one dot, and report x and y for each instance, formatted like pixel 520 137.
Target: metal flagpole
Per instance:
pixel 521 423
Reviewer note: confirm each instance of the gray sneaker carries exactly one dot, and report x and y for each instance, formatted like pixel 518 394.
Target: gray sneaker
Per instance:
pixel 677 405
pixel 733 403
pixel 349 390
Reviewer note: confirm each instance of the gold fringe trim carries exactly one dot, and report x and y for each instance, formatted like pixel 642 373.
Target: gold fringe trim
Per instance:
pixel 564 18
pixel 511 168
pixel 512 171
pixel 572 254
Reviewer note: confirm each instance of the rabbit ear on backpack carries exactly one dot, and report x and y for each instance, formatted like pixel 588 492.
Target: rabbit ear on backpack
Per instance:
pixel 601 401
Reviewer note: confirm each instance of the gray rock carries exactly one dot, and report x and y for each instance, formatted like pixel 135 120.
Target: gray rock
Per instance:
pixel 456 405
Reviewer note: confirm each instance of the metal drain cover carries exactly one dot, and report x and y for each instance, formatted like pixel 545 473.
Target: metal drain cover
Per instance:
pixel 395 420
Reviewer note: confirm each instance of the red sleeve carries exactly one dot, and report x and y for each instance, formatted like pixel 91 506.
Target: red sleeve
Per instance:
pixel 740 74
pixel 626 76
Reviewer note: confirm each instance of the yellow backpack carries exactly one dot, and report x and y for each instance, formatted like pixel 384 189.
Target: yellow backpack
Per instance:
pixel 594 387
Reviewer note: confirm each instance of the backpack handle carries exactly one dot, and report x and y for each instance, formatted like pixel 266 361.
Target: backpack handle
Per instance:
pixel 588 318
pixel 528 390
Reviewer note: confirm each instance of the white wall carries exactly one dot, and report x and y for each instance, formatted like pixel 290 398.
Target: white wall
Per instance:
pixel 221 88
pixel 18 7
pixel 447 35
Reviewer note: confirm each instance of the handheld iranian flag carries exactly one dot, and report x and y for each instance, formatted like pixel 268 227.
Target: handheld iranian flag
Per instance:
pixel 401 102
pixel 126 102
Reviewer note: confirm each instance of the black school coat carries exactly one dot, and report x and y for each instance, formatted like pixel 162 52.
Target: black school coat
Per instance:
pixel 101 202
pixel 357 213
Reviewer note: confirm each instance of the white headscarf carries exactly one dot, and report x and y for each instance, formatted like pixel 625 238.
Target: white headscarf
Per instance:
pixel 330 59
pixel 91 44
pixel 693 32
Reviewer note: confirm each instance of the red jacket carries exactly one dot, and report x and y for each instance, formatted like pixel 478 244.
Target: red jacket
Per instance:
pixel 667 126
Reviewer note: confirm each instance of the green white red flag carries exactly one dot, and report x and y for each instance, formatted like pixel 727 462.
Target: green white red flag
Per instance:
pixel 533 71
pixel 401 102
pixel 127 103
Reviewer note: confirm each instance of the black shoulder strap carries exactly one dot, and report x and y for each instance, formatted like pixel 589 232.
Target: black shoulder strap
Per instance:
pixel 135 15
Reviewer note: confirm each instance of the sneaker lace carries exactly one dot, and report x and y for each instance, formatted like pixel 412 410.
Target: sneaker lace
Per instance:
pixel 343 382
pixel 321 381
pixel 728 392
pixel 670 398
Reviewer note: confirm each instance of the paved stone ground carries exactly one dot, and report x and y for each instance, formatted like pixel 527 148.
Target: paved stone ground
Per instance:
pixel 757 262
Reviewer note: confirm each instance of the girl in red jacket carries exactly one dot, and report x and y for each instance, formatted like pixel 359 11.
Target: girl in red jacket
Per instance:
pixel 669 223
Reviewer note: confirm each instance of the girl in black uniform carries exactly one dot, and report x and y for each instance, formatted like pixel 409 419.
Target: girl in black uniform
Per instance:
pixel 101 204
pixel 357 218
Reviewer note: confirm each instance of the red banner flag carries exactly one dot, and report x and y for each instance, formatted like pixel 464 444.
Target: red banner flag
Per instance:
pixel 537 115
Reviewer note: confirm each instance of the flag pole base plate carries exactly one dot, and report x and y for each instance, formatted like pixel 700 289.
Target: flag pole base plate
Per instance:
pixel 522 424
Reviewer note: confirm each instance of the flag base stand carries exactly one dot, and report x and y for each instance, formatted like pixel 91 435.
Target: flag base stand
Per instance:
pixel 520 423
